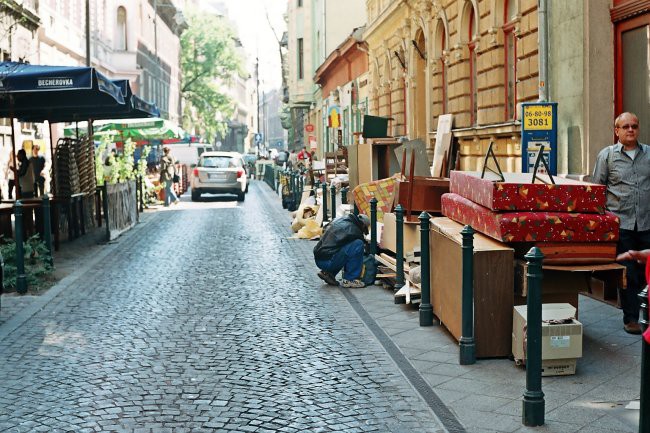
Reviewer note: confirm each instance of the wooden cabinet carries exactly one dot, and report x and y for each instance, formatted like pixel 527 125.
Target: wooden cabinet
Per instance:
pixel 493 287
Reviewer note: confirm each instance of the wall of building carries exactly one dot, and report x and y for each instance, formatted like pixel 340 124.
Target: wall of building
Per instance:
pixel 415 91
pixel 566 72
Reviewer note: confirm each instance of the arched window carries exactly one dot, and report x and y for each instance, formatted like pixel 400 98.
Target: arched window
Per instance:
pixel 510 57
pixel 120 40
pixel 440 48
pixel 473 73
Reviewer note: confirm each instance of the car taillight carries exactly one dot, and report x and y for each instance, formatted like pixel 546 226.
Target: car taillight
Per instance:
pixel 195 172
pixel 240 172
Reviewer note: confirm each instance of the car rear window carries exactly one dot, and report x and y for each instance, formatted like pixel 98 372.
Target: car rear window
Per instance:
pixel 219 162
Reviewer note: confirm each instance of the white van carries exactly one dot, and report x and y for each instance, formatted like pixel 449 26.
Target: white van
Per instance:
pixel 188 154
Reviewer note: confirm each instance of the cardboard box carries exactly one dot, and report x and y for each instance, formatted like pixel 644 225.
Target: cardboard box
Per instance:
pixel 411 233
pixel 493 287
pixel 561 338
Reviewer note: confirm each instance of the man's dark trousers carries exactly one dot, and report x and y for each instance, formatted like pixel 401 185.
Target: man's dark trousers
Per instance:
pixel 632 240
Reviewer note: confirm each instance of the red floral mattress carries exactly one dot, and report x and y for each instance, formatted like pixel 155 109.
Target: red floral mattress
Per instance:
pixel 531 226
pixel 518 194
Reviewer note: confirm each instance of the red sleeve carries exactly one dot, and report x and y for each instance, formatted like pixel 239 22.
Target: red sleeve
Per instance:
pixel 647 271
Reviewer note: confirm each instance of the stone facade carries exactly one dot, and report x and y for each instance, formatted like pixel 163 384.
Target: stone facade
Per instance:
pixel 432 57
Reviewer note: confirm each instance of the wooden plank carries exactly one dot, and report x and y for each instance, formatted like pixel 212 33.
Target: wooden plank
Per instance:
pixel 386 275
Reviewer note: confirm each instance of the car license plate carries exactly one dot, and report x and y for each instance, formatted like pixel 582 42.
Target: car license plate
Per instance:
pixel 217 176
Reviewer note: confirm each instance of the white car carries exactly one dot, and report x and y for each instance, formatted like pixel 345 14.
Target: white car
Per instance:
pixel 220 173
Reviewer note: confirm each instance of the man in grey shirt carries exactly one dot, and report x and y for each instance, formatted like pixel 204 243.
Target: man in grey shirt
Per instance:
pixel 624 168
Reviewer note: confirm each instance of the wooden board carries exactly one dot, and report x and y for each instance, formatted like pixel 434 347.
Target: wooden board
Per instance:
pixel 442 145
pixel 421 166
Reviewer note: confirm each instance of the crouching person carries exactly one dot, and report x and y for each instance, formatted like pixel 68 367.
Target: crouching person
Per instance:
pixel 342 247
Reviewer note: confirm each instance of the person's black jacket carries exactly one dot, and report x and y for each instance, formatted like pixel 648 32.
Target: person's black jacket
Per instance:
pixel 338 234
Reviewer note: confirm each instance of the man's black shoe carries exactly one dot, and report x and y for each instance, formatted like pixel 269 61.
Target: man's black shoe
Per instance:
pixel 328 278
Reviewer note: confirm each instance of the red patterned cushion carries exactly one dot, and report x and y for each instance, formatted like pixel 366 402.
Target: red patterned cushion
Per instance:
pixel 531 226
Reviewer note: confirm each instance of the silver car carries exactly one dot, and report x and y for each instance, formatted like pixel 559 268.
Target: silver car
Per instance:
pixel 220 173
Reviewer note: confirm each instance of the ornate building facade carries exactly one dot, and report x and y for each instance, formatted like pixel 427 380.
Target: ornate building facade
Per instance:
pixel 474 59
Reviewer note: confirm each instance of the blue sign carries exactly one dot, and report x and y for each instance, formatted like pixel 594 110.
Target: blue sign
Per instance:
pixel 258 138
pixel 539 128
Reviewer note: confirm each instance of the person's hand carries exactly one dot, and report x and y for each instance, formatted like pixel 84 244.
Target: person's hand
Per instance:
pixel 638 256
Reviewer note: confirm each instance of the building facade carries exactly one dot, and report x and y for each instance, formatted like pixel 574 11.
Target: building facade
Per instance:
pixel 342 79
pixel 314 28
pixel 474 59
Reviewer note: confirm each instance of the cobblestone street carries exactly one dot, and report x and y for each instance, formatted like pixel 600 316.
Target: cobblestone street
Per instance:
pixel 204 318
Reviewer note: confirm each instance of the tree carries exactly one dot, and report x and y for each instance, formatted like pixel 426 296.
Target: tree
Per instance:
pixel 209 60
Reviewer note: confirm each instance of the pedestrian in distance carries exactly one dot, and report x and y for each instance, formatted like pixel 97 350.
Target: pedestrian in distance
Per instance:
pixel 293 160
pixel 38 166
pixel 624 168
pixel 303 157
pixel 342 246
pixel 167 173
pixel 26 179
pixel 11 181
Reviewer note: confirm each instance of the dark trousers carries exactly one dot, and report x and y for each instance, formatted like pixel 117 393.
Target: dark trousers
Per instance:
pixel 635 272
pixel 12 184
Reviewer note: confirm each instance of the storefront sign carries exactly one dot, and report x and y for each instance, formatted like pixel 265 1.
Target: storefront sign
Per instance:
pixel 309 127
pixel 334 117
pixel 54 82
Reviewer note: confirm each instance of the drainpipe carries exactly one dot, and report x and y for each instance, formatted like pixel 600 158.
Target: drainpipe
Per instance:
pixel 542 29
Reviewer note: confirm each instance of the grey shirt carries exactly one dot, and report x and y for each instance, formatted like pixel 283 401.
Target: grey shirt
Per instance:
pixel 628 184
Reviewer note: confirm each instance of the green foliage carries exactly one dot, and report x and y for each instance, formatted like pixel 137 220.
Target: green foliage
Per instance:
pixel 209 61
pixel 37 263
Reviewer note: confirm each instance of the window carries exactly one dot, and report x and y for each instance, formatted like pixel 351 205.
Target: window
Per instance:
pixel 120 39
pixel 510 66
pixel 439 52
pixel 301 60
pixel 473 74
pixel 299 3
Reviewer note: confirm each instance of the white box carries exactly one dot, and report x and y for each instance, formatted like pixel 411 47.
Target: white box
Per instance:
pixel 561 338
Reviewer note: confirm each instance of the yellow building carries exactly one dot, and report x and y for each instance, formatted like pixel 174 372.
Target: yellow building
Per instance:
pixel 474 59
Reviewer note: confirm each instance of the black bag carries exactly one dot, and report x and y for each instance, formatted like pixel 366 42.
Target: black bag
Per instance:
pixel 369 270
pixel 176 179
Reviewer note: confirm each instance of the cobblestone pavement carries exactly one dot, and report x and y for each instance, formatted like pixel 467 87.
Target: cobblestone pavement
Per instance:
pixel 204 318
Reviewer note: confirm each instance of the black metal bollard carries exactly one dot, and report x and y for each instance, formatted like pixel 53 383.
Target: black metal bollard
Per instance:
pixel 373 226
pixel 344 195
pixel 292 192
pixel 333 199
pixel 106 211
pixel 141 189
pixel 399 251
pixel 644 421
pixel 47 228
pixel 467 346
pixel 533 402
pixel 324 197
pixel 21 278
pixel 426 309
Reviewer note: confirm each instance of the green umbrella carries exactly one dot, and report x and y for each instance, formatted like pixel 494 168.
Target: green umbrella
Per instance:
pixel 137 130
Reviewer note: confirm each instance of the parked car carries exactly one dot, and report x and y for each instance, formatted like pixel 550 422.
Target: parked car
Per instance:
pixel 220 173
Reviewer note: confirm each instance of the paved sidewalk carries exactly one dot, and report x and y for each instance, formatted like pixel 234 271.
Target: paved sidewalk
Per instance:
pixel 487 396
pixel 70 262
